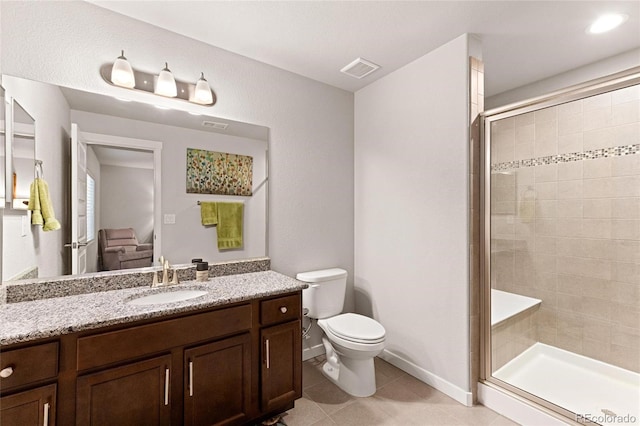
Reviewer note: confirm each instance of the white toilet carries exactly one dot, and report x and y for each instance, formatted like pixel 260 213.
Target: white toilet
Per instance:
pixel 351 340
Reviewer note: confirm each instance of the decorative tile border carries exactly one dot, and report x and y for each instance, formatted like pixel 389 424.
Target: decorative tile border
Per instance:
pixel 617 151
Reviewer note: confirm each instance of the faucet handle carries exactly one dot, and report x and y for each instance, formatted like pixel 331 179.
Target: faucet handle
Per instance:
pixel 154 283
pixel 174 278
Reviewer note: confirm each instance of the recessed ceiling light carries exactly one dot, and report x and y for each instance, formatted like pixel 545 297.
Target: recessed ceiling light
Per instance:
pixel 606 23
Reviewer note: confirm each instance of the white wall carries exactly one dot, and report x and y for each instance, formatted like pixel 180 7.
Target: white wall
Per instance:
pixel 411 207
pixel 592 71
pixel 311 124
pixel 51 112
pixel 127 200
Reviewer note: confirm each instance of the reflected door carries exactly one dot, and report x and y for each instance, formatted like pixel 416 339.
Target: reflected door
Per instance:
pixel 78 243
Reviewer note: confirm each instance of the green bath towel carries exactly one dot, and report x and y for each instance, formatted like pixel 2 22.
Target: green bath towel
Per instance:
pixel 208 213
pixel 34 205
pixel 230 217
pixel 41 206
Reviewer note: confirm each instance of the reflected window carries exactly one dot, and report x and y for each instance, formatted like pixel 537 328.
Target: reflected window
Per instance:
pixel 91 208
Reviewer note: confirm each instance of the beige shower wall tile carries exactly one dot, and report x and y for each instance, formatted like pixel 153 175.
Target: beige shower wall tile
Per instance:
pixel 569 109
pixel 596 102
pixel 599 138
pixel 627 165
pixel 569 227
pixel 598 118
pixel 570 189
pixel 628 337
pixel 621 96
pixel 596 228
pixel 598 168
pixel 626 186
pixel 546 208
pixel 627 272
pixel 569 143
pixel 598 330
pixel 626 113
pixel 546 138
pixel 625 229
pixel 570 171
pixel 594 268
pixel 525 119
pixel 626 134
pixel 596 308
pixel 546 173
pixel 546 191
pixel 584 286
pixel 598 188
pixel 545 227
pixel 625 316
pixel 546 114
pixel 597 208
pixel 570 124
pixel 625 208
pixel 626 251
pixel 570 209
pixel 626 294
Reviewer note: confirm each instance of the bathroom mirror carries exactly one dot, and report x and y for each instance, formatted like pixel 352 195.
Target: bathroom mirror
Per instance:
pixel 105 122
pixel 2 147
pixel 23 156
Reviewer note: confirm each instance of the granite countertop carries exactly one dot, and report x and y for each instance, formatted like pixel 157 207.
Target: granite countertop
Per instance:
pixel 25 321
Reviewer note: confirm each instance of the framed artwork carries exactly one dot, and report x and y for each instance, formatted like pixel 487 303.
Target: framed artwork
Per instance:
pixel 210 172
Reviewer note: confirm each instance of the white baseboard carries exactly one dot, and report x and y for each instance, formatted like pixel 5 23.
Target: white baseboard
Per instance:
pixel 313 351
pixel 448 388
pixel 515 409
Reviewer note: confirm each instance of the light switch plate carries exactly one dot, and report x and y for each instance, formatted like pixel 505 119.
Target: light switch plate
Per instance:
pixel 169 219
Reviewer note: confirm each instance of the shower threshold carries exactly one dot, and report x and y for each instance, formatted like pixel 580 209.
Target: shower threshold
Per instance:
pixel 597 392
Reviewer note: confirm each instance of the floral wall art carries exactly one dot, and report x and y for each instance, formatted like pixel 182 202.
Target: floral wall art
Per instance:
pixel 210 172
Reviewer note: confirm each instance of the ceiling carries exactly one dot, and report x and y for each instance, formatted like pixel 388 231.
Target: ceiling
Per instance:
pixel 522 41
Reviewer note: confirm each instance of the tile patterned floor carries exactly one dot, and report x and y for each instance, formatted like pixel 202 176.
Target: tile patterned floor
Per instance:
pixel 400 400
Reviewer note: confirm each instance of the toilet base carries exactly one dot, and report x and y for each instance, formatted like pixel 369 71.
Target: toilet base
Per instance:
pixel 356 377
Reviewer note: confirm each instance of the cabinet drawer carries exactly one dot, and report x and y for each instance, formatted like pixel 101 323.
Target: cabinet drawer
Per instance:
pixel 120 345
pixel 278 310
pixel 29 365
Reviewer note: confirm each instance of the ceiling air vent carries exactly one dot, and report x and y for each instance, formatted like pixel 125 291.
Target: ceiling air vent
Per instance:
pixel 215 125
pixel 360 68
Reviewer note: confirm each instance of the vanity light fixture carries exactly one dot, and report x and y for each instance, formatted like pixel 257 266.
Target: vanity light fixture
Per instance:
pixel 606 23
pixel 121 74
pixel 166 84
pixel 203 91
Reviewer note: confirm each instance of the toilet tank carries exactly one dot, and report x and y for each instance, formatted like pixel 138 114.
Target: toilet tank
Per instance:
pixel 325 296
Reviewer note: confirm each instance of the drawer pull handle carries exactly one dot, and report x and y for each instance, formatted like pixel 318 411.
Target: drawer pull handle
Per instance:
pixel 266 344
pixel 283 309
pixel 45 422
pixel 166 386
pixel 190 378
pixel 6 372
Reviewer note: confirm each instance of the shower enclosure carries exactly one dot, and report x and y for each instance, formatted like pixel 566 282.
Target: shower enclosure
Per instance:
pixel 561 250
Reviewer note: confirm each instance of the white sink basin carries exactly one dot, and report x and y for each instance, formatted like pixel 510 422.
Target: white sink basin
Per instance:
pixel 167 297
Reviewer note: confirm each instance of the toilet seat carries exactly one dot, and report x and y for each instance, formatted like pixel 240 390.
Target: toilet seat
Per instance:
pixel 355 328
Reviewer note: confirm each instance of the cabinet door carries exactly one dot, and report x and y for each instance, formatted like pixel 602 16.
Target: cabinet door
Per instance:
pixel 217 383
pixel 31 408
pixel 136 394
pixel 281 365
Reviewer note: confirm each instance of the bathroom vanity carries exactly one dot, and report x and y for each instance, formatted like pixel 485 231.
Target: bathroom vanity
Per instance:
pixel 231 356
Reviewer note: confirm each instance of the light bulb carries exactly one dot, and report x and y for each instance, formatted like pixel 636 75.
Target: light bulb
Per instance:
pixel 202 94
pixel 122 73
pixel 166 84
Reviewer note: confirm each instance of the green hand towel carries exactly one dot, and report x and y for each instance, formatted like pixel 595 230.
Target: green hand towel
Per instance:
pixel 50 221
pixel 230 217
pixel 208 213
pixel 34 205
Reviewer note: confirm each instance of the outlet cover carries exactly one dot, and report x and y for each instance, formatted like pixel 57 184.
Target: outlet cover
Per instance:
pixel 169 219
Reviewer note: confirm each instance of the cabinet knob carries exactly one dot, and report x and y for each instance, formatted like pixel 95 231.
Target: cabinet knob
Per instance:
pixel 6 372
pixel 283 309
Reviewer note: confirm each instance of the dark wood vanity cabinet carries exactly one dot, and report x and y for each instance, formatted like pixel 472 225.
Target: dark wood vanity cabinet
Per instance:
pixel 27 385
pixel 230 365
pixel 35 407
pixel 217 388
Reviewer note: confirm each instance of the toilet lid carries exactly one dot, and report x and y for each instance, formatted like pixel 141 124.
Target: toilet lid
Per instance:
pixel 356 328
